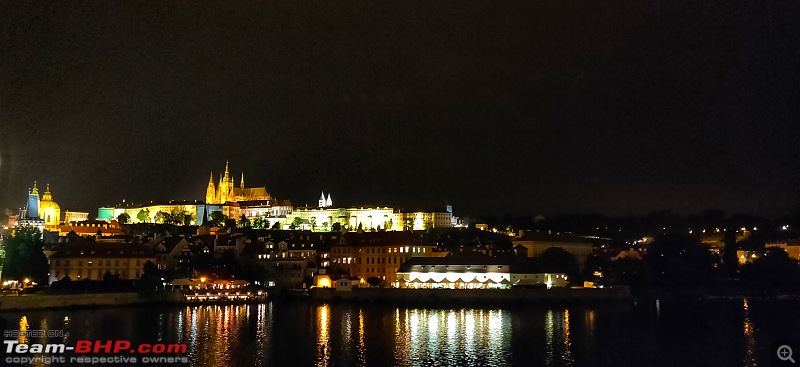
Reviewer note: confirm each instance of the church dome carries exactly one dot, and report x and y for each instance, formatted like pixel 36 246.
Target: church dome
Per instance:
pixel 48 204
pixel 49 210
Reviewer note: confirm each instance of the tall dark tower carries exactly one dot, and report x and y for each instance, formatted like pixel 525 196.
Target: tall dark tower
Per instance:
pixel 33 203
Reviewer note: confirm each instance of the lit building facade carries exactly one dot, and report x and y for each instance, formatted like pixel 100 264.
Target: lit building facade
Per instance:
pixel 535 242
pixel 90 260
pixel 456 272
pixel 73 216
pixel 187 207
pixel 792 247
pixel 226 191
pixel 368 219
pixel 377 254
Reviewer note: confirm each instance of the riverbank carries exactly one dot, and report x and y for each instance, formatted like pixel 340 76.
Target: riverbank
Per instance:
pixel 469 297
pixel 48 301
pixel 89 300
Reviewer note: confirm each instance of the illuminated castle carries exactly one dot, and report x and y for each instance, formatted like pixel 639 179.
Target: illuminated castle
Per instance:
pixel 226 191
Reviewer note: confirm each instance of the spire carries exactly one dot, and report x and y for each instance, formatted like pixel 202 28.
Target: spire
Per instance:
pixel 211 179
pixel 47 195
pixel 321 200
pixel 227 175
pixel 35 189
pixel 241 183
pixel 322 196
pixel 329 202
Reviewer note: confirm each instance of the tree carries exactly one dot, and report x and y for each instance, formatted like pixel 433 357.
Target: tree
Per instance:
pixel 151 278
pixel 775 269
pixel 230 223
pixel 123 218
pixel 375 282
pixel 217 218
pixel 627 271
pixel 595 268
pixel 313 223
pixel 177 216
pixel 111 279
pixel 277 225
pixel 336 227
pixel 244 222
pixel 297 222
pixel 25 258
pixel 143 215
pixel 162 217
pixel 730 260
pixel 558 260
pixel 677 259
pixel 189 219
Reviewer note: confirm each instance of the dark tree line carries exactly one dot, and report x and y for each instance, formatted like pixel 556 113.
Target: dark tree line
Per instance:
pixel 25 258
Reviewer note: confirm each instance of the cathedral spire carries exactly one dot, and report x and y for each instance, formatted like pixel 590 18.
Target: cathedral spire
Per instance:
pixel 227 175
pixel 211 179
pixel 35 190
pixel 241 183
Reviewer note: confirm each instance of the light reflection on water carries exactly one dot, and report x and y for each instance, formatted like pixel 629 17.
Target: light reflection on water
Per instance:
pixel 749 338
pixel 354 335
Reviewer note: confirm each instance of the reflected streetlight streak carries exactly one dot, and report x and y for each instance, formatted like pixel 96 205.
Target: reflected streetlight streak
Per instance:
pixel 567 356
pixel 362 357
pixel 548 334
pixel 323 336
pixel 749 338
pixel 23 328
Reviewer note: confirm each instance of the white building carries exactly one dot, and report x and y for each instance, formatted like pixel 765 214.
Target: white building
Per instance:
pixel 471 272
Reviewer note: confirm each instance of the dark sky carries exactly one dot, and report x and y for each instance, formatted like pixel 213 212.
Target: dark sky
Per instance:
pixel 535 107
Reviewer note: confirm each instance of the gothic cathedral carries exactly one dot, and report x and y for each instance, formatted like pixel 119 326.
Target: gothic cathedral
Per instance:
pixel 227 191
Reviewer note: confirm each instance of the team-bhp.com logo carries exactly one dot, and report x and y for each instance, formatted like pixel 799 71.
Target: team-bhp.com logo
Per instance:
pixel 95 352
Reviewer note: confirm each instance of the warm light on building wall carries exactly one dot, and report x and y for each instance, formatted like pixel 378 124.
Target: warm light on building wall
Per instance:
pixel 324 282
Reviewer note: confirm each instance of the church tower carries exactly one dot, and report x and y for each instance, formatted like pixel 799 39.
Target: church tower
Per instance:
pixel 33 203
pixel 225 186
pixel 322 200
pixel 211 191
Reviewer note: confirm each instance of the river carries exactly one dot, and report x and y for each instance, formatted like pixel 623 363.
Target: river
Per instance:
pixel 735 332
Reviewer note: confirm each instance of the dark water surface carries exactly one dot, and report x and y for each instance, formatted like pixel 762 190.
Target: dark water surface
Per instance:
pixel 284 333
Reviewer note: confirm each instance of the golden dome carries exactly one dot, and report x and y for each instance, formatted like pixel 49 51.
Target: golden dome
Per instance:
pixel 49 209
pixel 47 200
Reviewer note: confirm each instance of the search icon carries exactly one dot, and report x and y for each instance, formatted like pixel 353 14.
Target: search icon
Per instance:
pixel 785 353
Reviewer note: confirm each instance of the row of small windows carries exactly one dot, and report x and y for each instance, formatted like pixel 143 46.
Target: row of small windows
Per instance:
pixel 99 263
pixel 108 252
pixel 98 274
pixel 382 250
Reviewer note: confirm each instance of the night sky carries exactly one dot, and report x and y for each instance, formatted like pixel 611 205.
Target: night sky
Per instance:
pixel 535 107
